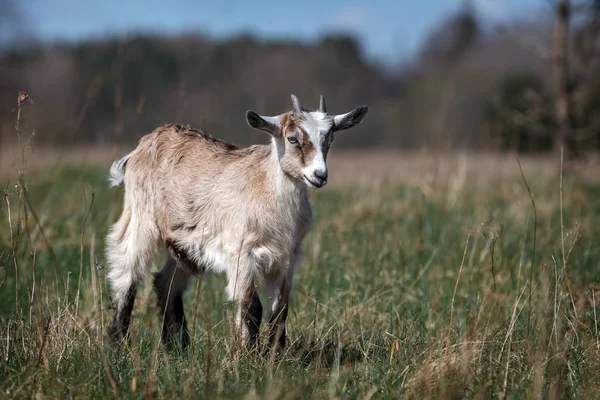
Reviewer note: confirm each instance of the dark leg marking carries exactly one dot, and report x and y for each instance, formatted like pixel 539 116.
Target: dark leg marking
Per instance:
pixel 278 316
pixel 251 315
pixel 119 328
pixel 174 329
pixel 277 328
pixel 182 258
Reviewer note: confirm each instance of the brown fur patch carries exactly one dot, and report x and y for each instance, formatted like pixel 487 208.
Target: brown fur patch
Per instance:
pixel 251 313
pixel 308 149
pixel 189 132
pixel 289 124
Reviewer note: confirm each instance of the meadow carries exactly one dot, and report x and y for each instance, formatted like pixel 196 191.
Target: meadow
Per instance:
pixel 425 276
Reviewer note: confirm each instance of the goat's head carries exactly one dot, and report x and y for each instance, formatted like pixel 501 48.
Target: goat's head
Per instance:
pixel 303 138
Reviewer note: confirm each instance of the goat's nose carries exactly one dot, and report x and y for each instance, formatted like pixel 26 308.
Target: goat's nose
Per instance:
pixel 321 175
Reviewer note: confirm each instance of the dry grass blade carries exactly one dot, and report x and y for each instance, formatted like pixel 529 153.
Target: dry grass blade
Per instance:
pixel 533 249
pixel 85 218
pixel 107 370
pixel 196 299
pixel 462 263
pixel 13 245
pixel 562 238
pixel 42 353
pixel 385 295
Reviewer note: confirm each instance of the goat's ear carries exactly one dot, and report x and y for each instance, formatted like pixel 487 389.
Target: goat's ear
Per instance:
pixel 351 119
pixel 271 125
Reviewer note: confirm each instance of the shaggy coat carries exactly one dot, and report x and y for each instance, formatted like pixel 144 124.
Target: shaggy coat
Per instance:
pixel 219 208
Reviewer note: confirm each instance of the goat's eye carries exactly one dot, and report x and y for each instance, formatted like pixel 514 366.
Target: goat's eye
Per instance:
pixel 293 140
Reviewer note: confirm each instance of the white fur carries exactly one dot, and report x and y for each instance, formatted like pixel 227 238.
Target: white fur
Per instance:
pixel 222 242
pixel 316 124
pixel 132 241
pixel 225 210
pixel 116 175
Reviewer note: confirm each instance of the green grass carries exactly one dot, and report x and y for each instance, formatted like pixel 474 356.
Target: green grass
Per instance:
pixel 397 296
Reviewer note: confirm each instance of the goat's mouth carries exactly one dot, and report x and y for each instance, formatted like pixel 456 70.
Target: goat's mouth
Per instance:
pixel 316 183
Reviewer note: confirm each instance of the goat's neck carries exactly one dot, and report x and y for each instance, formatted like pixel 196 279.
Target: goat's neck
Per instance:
pixel 283 185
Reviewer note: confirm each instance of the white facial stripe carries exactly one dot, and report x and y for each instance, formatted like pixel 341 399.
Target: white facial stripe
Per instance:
pixel 318 163
pixel 316 125
pixel 316 121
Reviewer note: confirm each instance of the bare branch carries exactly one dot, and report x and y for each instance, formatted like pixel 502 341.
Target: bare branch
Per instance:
pixel 588 51
pixel 527 43
pixel 520 38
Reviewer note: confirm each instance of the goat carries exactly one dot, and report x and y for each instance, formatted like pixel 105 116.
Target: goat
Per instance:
pixel 219 208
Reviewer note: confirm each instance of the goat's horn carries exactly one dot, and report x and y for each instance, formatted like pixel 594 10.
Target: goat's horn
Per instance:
pixel 322 106
pixel 297 106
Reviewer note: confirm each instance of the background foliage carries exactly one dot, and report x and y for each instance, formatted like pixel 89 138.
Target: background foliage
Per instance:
pixel 114 90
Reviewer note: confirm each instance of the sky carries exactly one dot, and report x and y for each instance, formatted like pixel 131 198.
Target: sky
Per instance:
pixel 388 30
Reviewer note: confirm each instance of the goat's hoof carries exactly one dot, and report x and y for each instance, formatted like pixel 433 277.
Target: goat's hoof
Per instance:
pixel 117 335
pixel 179 340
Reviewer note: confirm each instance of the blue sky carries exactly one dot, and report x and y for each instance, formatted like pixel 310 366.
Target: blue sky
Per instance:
pixel 388 29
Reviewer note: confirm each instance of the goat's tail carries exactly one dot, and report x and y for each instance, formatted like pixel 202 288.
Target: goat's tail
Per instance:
pixel 116 176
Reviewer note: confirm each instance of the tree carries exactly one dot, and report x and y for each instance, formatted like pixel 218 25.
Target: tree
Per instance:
pixel 447 45
pixel 561 74
pixel 519 114
pixel 572 53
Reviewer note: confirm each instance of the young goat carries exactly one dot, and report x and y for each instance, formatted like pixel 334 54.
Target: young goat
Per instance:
pixel 218 208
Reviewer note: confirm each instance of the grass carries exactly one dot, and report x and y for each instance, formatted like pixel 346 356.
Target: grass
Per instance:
pixel 417 290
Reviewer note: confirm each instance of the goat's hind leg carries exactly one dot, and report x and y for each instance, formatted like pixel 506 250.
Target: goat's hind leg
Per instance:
pixel 123 305
pixel 129 248
pixel 170 284
pixel 124 287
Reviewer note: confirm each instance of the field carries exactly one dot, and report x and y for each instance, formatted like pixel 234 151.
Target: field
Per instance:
pixel 425 276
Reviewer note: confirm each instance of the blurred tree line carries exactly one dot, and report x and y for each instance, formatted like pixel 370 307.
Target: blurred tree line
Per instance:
pixel 470 86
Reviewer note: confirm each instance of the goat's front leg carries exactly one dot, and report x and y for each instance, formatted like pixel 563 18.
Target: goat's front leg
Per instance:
pixel 278 295
pixel 241 286
pixel 249 316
